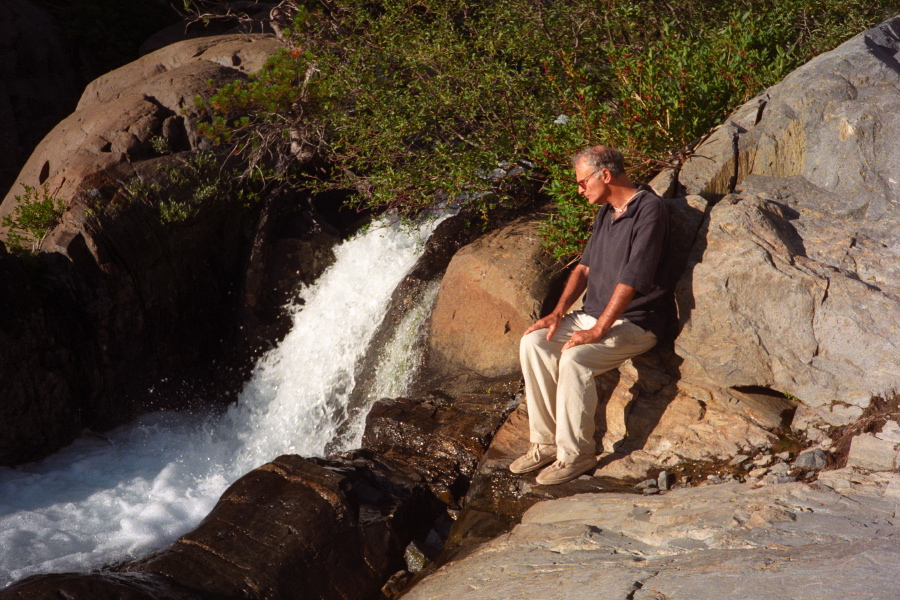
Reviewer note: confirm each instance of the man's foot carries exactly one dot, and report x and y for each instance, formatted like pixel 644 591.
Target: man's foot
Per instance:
pixel 561 472
pixel 536 457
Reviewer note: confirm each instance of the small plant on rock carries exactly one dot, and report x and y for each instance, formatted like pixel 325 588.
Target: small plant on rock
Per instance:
pixel 36 213
pixel 192 185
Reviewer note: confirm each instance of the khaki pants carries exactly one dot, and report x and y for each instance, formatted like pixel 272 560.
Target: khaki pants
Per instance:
pixel 559 387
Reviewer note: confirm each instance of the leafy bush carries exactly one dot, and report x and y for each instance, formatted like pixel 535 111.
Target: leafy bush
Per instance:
pixel 37 211
pixel 412 101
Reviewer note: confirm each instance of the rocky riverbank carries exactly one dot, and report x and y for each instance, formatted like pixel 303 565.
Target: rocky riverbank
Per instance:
pixel 782 360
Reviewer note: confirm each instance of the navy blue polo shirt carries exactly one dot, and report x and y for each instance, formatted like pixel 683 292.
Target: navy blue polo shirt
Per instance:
pixel 629 250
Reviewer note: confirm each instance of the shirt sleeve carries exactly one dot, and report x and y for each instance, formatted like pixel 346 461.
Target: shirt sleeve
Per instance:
pixel 648 237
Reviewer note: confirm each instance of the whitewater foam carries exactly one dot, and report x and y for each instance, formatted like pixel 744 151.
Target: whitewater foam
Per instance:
pixel 106 499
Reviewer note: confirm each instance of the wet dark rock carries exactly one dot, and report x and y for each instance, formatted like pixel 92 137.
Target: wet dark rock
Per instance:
pixel 128 310
pixel 441 438
pixel 328 528
pixel 106 586
pixel 342 527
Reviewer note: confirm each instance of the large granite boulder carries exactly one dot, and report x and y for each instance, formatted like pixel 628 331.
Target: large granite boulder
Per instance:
pixel 795 285
pixel 121 310
pixel 38 84
pixel 494 288
pixel 120 112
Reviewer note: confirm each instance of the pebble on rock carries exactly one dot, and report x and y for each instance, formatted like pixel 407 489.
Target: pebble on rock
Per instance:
pixel 780 469
pixel 763 461
pixel 759 472
pixel 812 460
pixel 738 460
pixel 662 481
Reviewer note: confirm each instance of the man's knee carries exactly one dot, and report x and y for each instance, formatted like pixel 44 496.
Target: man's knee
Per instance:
pixel 532 340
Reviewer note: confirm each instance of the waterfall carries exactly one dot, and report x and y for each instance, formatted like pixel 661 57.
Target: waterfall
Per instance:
pixel 110 498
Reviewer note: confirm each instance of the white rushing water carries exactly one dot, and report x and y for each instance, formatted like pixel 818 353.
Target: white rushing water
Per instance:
pixel 111 498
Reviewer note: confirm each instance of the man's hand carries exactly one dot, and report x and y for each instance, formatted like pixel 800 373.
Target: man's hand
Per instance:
pixel 550 322
pixel 585 336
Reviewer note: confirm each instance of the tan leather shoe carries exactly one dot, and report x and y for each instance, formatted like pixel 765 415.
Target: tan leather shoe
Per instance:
pixel 537 456
pixel 561 472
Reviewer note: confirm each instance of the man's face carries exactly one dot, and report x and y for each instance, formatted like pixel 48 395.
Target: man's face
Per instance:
pixel 593 186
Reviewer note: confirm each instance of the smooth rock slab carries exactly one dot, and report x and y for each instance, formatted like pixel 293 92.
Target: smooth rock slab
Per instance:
pixel 836 539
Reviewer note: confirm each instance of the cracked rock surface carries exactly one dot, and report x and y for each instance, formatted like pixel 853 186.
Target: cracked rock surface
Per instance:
pixel 729 541
pixel 793 284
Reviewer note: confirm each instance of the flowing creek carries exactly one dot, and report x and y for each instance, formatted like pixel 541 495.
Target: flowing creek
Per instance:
pixel 111 498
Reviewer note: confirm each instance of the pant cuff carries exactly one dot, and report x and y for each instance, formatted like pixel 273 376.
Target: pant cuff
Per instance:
pixel 570 458
pixel 535 438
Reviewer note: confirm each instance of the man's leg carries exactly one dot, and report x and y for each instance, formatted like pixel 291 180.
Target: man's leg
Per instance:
pixel 576 391
pixel 540 369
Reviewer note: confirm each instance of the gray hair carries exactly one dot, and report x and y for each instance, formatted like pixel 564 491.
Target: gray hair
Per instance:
pixel 601 157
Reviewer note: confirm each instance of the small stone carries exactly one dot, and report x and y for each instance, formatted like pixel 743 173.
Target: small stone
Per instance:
pixel 812 460
pixel 662 481
pixel 816 435
pixel 738 460
pixel 415 558
pixel 395 584
pixel 772 478
pixel 890 432
pixel 759 472
pixel 783 456
pixel 763 461
pixel 780 469
pixel 714 479
pixel 649 491
pixel 645 484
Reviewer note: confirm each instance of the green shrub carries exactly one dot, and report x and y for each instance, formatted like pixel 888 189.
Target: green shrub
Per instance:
pixel 412 101
pixel 193 185
pixel 37 211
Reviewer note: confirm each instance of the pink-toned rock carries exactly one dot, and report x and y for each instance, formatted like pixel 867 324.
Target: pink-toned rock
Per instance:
pixel 492 291
pixel 120 112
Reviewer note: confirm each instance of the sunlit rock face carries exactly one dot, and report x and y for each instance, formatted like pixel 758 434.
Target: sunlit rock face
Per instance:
pixel 121 111
pixel 795 284
pixel 493 290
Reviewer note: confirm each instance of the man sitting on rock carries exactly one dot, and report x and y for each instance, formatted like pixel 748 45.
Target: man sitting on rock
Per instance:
pixel 622 317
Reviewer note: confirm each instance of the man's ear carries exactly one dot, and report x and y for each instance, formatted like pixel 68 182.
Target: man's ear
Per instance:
pixel 605 175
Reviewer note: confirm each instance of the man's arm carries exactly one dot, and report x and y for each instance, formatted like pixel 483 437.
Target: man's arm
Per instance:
pixel 617 304
pixel 575 285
